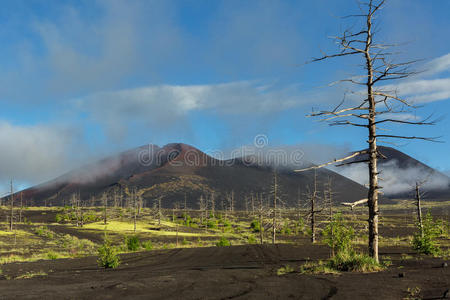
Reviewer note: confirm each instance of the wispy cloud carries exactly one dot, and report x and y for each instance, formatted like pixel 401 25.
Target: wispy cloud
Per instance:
pixel 163 106
pixel 430 86
pixel 396 179
pixel 32 154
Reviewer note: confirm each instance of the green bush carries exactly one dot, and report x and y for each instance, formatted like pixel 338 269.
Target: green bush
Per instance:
pixel 427 244
pixel 52 255
pixel 132 243
pixel 352 261
pixel 107 255
pixel 147 245
pixel 255 226
pixel 338 235
pixel 43 231
pixel 251 239
pixel 286 229
pixel 59 218
pixel 188 220
pixel 223 242
pixel 211 224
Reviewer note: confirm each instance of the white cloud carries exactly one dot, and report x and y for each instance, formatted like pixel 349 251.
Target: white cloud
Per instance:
pixel 33 154
pixel 438 65
pixel 425 89
pixel 395 179
pixel 164 105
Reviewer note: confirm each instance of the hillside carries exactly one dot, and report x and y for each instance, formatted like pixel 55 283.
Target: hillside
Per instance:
pixel 176 170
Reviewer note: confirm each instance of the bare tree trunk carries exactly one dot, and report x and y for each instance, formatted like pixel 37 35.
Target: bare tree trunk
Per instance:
pixel 419 209
pixel 213 203
pixel 373 151
pixel 21 207
pixel 11 218
pixel 159 211
pixel 274 220
pixel 185 207
pixel 133 193
pixel 81 213
pixel 253 205
pixel 261 227
pixel 313 221
pixel 105 208
pixel 313 209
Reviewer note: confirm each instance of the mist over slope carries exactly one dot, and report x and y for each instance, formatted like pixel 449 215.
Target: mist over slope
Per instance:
pixel 399 173
pixel 176 170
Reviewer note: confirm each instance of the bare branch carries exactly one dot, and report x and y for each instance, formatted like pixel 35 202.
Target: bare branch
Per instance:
pixel 353 204
pixel 430 139
pixel 333 162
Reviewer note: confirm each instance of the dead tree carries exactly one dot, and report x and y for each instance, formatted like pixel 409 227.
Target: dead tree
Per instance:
pixel 185 207
pixel 134 201
pixel 328 200
pixel 21 207
pixel 80 203
pixel 230 201
pixel 378 106
pixel 299 205
pixel 159 210
pixel 202 205
pixel 11 217
pixel 275 210
pixel 212 202
pixel 313 197
pixel 105 207
pixel 262 211
pixel 419 208
pixel 253 204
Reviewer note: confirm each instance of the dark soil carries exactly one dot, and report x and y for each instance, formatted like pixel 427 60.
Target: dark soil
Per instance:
pixel 240 272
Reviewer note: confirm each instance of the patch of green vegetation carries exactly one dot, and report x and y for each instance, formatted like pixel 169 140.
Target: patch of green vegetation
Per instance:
pixel 251 239
pixel 107 255
pixel 132 243
pixel 223 242
pixel 426 243
pixel 31 275
pixel 285 270
pixel 147 245
pixel 52 255
pixel 319 267
pixel 356 262
pixel 43 231
pixel 255 226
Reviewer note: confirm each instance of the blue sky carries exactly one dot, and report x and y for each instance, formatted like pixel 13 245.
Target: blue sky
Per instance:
pixel 84 79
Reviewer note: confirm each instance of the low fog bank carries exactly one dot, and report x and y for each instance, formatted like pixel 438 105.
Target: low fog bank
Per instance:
pixel 397 180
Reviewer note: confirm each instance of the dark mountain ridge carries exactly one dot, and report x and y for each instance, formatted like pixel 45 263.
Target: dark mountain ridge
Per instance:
pixel 177 170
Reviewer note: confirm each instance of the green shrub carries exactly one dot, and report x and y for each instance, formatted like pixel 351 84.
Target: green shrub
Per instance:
pixel 43 231
pixel 147 245
pixel 255 226
pixel 251 239
pixel 211 224
pixel 352 261
pixel 286 229
pixel 338 235
pixel 52 255
pixel 285 270
pixel 132 243
pixel 59 218
pixel 427 244
pixel 184 242
pixel 223 242
pixel 107 255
